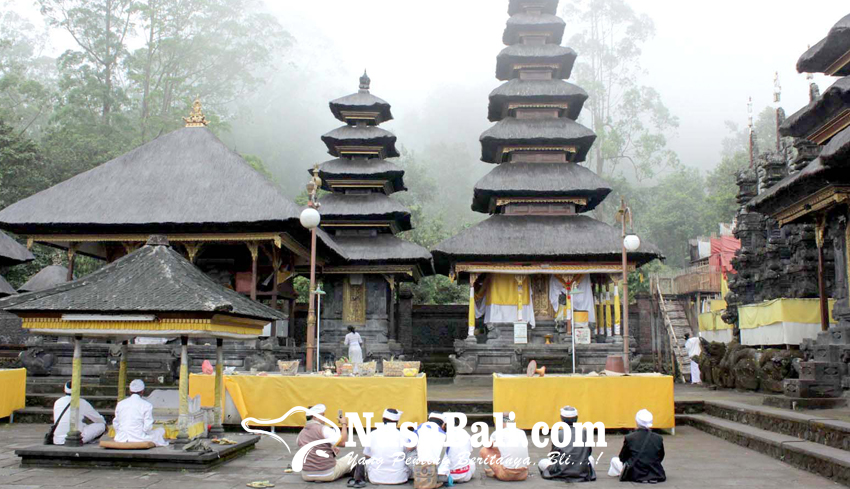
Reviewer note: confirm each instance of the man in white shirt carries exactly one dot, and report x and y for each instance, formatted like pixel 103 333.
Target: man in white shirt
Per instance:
pixel 134 419
pixel 507 459
pixel 457 463
pixel 693 348
pixel 90 432
pixel 431 438
pixel 387 459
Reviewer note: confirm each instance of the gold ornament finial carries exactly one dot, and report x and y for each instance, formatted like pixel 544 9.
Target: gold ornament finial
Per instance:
pixel 196 117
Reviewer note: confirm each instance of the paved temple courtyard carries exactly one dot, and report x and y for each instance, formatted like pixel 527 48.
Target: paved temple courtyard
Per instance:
pixel 694 460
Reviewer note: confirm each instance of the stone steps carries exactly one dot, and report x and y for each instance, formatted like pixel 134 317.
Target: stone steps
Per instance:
pixel 826 461
pixel 44 415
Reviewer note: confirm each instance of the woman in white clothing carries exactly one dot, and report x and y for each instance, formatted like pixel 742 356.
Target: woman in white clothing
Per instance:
pixel 353 341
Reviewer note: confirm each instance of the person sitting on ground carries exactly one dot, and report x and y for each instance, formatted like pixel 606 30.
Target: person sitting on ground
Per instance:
pixel 642 454
pixel 134 419
pixel 693 348
pixel 457 465
pixel 569 463
pixel 90 431
pixel 507 457
pixel 425 457
pixel 316 467
pixel 387 460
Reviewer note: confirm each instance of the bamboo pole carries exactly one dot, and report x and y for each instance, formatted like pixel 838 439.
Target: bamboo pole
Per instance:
pixel 219 386
pixel 74 438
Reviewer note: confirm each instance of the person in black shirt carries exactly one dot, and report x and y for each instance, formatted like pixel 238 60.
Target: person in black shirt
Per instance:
pixel 642 454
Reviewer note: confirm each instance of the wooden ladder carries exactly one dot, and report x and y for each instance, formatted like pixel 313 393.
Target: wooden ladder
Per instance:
pixel 676 352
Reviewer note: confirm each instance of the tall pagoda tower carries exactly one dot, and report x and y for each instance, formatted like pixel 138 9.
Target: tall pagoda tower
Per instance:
pixel 538 246
pixel 363 220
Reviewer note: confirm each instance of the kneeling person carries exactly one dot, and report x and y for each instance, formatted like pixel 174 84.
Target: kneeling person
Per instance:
pixel 457 463
pixel 507 458
pixel 569 463
pixel 134 419
pixel 316 467
pixel 642 454
pixel 90 431
pixel 387 456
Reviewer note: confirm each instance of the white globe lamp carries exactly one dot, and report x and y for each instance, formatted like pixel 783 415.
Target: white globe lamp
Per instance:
pixel 310 218
pixel 631 242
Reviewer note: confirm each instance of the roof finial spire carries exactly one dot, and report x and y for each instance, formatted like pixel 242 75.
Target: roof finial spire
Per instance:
pixel 196 117
pixel 365 81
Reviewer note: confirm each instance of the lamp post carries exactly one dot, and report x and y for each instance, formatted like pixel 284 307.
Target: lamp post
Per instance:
pixel 310 219
pixel 631 242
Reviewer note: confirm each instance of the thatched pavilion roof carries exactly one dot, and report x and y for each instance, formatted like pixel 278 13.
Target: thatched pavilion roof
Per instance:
pixel 47 277
pixel 529 53
pixel 152 279
pixel 13 253
pixel 385 248
pixel 504 238
pixel 539 180
pixel 6 288
pixel 523 23
pixel 186 180
pixel 363 169
pixel 793 188
pixel 810 118
pixel 837 151
pixel 368 207
pixel 536 91
pixel 361 136
pixel 530 132
pixel 362 101
pixel 823 55
pixel 548 6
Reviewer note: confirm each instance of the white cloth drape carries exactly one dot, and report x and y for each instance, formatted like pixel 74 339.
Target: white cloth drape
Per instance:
pixel 582 296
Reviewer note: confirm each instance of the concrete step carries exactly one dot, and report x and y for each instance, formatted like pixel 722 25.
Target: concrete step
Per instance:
pixel 43 415
pixel 47 400
pixel 825 461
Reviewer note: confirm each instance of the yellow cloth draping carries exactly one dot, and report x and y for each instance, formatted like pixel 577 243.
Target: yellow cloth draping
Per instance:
pixel 724 286
pixel 712 321
pixel 802 311
pixel 272 396
pixel 608 323
pixel 617 305
pixel 502 290
pixel 716 305
pixel 612 400
pixel 13 390
pixel 171 430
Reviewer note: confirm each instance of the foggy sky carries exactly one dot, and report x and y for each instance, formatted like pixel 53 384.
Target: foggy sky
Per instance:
pixel 434 61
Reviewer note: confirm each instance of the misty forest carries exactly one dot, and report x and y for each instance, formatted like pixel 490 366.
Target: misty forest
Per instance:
pixel 134 67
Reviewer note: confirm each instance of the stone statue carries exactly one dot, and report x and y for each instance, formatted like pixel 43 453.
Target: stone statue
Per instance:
pixel 37 361
pixel 463 365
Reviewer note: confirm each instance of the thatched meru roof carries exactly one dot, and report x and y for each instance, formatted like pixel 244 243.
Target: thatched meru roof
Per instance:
pixel 361 136
pixel 385 248
pixel 183 180
pixel 47 277
pixel 6 288
pixel 518 6
pixel 361 169
pixel 523 23
pixel 837 151
pixel 367 207
pixel 362 101
pixel 831 103
pixel 529 53
pixel 530 132
pixel 794 188
pixel 13 253
pixel 539 180
pixel 152 279
pixel 503 238
pixel 820 57
pixel 536 91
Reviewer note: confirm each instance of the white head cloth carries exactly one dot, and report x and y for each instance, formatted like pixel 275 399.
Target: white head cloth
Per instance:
pixel 644 418
pixel 67 387
pixel 391 415
pixel 317 409
pixel 569 412
pixel 137 386
pixel 437 416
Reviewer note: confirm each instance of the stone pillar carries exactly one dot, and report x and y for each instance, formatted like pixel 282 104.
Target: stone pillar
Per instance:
pixel 72 259
pixel 183 413
pixel 74 438
pixel 122 372
pixel 219 387
pixel 405 316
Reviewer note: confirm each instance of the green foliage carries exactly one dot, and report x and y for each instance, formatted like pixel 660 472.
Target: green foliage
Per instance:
pixel 22 169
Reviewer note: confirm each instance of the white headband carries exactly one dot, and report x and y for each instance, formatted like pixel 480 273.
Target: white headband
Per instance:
pixel 317 409
pixel 644 418
pixel 137 386
pixel 569 412
pixel 67 388
pixel 391 415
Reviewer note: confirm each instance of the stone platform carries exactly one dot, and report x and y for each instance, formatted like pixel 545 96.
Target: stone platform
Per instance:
pixel 160 458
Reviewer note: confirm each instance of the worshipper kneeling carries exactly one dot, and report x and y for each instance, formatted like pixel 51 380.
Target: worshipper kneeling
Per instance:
pixel 328 468
pixel 569 463
pixel 62 419
pixel 642 454
pixel 387 458
pixel 457 465
pixel 429 449
pixel 507 458
pixel 134 419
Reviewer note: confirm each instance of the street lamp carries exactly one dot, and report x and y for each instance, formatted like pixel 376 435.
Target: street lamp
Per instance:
pixel 310 219
pixel 631 243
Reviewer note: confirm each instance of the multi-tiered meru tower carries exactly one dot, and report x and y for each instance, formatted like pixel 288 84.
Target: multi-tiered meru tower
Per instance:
pixel 363 220
pixel 538 246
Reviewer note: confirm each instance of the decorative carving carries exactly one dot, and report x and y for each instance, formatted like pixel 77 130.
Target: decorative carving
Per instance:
pixel 354 302
pixel 540 297
pixel 196 116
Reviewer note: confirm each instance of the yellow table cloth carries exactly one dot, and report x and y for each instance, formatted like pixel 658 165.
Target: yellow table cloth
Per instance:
pixel 13 390
pixel 171 430
pixel 795 311
pixel 272 396
pixel 612 400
